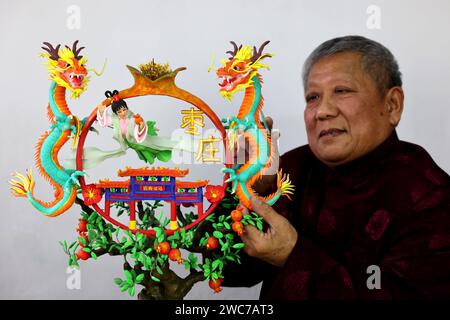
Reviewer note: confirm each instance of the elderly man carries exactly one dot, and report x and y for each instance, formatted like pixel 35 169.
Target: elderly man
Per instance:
pixel 370 218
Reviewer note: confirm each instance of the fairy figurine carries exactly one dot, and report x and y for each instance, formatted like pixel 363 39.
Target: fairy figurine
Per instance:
pixel 130 131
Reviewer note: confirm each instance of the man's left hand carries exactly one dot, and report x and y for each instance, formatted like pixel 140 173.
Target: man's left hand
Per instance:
pixel 276 243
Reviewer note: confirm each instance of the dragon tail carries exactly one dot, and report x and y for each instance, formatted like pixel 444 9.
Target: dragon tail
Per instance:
pixel 285 184
pixel 22 185
pixel 284 188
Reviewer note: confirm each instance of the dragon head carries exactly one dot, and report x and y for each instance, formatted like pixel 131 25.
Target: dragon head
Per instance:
pixel 67 67
pixel 240 68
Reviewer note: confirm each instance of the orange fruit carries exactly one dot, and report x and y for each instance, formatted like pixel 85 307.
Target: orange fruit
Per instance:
pixel 212 243
pixel 175 255
pixel 236 215
pixel 238 227
pixel 163 247
pixel 215 285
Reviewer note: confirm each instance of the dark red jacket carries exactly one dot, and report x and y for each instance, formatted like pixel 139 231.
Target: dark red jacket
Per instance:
pixel 390 208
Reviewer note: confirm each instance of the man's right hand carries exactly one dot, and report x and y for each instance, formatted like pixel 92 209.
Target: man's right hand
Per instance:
pixel 276 243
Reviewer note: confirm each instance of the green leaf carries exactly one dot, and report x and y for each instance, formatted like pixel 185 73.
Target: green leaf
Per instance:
pixel 87 250
pixel 131 291
pixel 139 237
pixel 118 281
pixel 238 246
pixel 155 279
pixel 124 286
pixel 187 265
pixel 158 269
pixel 254 214
pixel 140 278
pixel 259 225
pixel 148 251
pixel 192 258
pixel 63 244
pixel 127 244
pixel 148 262
pixel 128 276
pixel 72 244
pixel 93 255
pixel 218 234
pixel 82 240
pixel 230 258
pixel 227 225
pixel 215 264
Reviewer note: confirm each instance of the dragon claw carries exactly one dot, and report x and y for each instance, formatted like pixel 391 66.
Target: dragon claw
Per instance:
pixel 233 189
pixel 231 171
pixel 232 178
pixel 73 179
pixel 74 129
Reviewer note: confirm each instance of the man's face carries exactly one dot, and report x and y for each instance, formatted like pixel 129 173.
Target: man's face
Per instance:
pixel 345 115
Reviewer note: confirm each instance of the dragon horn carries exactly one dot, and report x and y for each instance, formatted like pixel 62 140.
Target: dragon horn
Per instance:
pixel 258 54
pixel 76 51
pixel 52 51
pixel 235 49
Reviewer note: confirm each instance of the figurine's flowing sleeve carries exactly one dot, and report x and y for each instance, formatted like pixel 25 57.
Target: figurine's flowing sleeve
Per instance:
pixel 104 119
pixel 140 135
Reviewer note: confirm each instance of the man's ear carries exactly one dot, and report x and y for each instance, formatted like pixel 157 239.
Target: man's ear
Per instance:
pixel 394 105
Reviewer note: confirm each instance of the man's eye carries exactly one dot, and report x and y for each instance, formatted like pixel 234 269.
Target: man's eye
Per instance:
pixel 312 98
pixel 342 90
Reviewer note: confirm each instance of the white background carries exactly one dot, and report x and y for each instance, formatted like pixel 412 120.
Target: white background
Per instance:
pixel 186 33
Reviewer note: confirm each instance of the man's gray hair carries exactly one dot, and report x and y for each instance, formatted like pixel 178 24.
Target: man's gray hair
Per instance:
pixel 377 60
